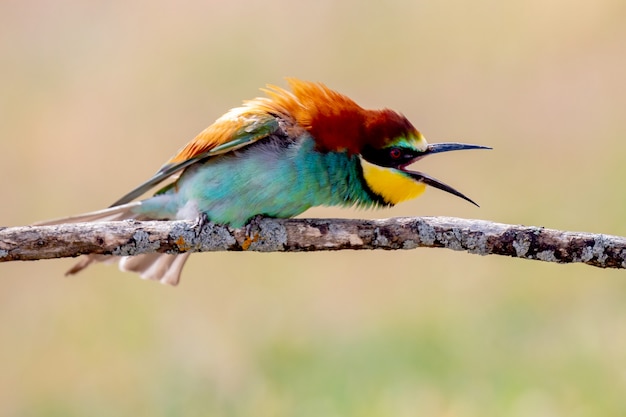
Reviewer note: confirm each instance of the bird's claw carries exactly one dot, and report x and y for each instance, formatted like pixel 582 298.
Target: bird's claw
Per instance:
pixel 252 230
pixel 201 221
pixel 254 224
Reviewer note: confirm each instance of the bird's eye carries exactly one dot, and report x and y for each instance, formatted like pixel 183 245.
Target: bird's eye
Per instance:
pixel 395 153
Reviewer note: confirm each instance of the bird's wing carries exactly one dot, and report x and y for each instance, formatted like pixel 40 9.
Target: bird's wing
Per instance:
pixel 236 129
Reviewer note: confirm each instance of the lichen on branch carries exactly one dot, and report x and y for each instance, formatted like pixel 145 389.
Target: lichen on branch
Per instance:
pixel 297 235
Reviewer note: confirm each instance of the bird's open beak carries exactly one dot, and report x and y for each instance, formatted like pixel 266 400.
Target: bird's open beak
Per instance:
pixel 428 180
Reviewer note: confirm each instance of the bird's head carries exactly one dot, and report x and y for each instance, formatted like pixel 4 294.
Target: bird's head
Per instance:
pixel 386 158
pixel 385 141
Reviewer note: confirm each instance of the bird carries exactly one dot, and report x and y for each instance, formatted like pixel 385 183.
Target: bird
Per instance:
pixel 277 156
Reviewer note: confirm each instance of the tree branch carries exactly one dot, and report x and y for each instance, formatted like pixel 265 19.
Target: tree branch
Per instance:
pixel 296 235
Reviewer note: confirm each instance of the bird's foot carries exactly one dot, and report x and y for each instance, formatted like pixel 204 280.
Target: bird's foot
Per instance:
pixel 201 221
pixel 254 224
pixel 252 231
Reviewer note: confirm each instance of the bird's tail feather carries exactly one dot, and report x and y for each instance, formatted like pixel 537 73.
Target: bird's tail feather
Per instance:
pixel 154 266
pixel 111 214
pixel 161 267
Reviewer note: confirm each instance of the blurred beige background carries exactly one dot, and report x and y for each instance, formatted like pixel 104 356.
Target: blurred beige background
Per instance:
pixel 96 96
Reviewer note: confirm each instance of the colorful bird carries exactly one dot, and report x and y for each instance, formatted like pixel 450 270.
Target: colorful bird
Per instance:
pixel 278 156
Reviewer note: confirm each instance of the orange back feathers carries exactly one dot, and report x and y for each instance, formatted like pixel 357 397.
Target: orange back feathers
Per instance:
pixel 335 121
pixel 220 132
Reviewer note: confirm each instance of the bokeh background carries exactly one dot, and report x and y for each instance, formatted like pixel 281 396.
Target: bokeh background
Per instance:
pixel 95 96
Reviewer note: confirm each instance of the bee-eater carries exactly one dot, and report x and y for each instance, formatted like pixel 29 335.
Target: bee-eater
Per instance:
pixel 277 156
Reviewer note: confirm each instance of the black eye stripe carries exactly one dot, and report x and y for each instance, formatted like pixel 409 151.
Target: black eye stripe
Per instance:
pixel 393 157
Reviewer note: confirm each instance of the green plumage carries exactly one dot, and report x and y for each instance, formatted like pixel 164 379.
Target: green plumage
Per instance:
pixel 276 177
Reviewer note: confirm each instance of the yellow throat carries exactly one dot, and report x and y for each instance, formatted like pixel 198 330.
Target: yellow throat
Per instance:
pixel 391 184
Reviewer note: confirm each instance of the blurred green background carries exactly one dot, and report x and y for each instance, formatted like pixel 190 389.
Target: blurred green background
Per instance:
pixel 95 96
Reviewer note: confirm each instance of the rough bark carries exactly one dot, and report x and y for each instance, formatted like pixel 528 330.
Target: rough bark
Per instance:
pixel 295 235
